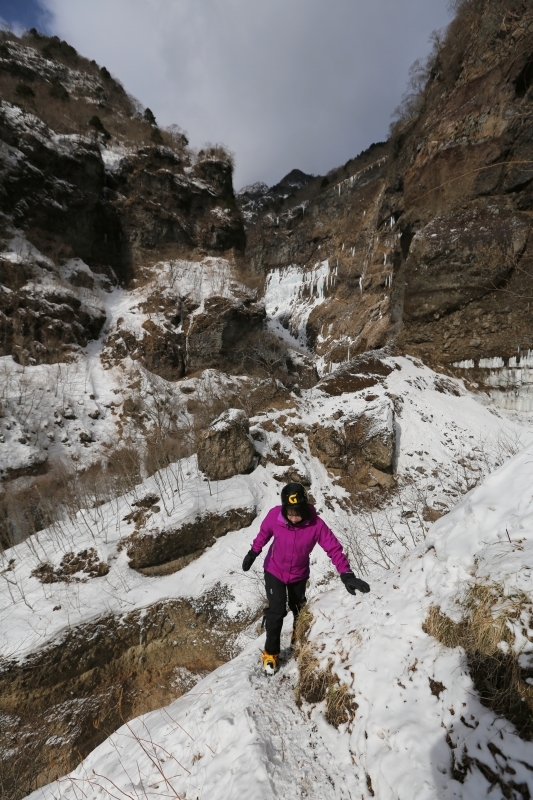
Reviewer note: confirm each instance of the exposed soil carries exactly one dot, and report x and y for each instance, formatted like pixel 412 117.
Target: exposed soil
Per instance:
pixel 155 548
pixel 73 567
pixel 62 702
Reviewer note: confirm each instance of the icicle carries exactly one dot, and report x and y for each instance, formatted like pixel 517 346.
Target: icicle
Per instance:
pixel 491 363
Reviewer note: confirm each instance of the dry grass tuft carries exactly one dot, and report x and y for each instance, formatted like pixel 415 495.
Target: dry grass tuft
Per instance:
pixel 485 633
pixel 315 684
pixel 442 628
pixel 340 705
pixel 303 625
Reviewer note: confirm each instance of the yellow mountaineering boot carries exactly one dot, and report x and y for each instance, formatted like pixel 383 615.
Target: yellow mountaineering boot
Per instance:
pixel 270 663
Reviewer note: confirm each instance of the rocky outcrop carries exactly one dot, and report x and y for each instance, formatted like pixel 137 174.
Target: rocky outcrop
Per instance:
pixel 160 206
pixel 109 190
pixel 63 701
pixel 225 448
pixel 372 434
pixel 185 340
pixel 42 319
pixel 155 548
pixel 362 372
pixel 258 197
pixel 216 335
pixel 359 449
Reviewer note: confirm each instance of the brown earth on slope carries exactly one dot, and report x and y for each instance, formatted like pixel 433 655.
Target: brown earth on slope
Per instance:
pixel 63 701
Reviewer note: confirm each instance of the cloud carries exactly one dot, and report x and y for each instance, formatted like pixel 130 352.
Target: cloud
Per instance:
pixel 22 14
pixel 284 83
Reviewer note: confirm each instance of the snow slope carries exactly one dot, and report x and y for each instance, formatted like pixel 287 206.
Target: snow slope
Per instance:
pixel 232 734
pixel 238 734
pixel 404 733
pixel 72 410
pixel 435 430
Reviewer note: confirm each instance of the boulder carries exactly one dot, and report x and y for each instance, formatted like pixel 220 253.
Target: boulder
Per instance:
pixel 327 443
pixel 359 450
pixel 380 478
pixel 225 448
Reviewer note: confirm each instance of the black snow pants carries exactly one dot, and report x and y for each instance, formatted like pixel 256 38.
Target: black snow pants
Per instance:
pixel 277 593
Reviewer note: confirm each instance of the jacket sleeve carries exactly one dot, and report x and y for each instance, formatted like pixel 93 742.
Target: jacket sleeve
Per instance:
pixel 329 542
pixel 265 534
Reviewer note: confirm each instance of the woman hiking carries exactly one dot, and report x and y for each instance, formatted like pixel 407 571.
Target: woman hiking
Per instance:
pixel 296 528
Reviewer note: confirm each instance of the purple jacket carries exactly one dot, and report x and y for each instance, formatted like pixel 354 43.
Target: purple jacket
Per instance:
pixel 288 557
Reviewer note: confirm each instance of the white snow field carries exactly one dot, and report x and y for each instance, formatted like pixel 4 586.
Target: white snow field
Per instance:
pixel 404 729
pixel 238 734
pixel 434 432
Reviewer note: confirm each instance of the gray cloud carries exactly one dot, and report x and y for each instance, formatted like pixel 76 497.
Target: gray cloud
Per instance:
pixel 283 83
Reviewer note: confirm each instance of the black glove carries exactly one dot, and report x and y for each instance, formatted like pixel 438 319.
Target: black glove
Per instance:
pixel 249 559
pixel 354 584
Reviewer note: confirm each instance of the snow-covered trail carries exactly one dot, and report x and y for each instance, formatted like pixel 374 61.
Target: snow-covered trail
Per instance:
pixel 306 758
pixel 238 733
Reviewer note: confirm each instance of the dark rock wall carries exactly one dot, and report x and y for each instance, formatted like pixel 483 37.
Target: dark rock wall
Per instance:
pixel 430 233
pixel 465 172
pixel 56 188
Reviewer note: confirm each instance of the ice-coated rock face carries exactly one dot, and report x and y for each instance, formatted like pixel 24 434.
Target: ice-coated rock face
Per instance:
pixel 225 449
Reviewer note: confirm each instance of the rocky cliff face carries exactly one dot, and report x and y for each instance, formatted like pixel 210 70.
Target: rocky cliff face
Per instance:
pixel 320 250
pixel 461 188
pixel 424 242
pixel 94 198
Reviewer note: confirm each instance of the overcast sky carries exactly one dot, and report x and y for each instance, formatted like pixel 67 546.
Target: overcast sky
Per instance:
pixel 283 83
